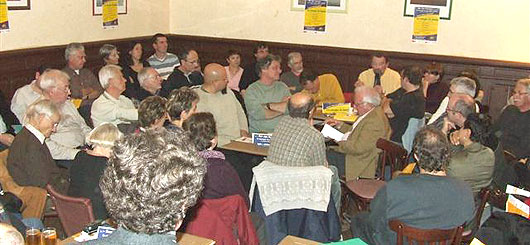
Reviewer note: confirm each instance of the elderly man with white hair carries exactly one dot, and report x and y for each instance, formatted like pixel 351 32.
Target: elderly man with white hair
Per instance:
pixel 111 106
pixel 150 83
pixel 84 84
pixel 356 154
pixel 71 130
pixel 459 85
pixel 292 78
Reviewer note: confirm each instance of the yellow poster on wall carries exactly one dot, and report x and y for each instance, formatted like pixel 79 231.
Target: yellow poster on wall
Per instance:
pixel 110 14
pixel 4 23
pixel 426 24
pixel 315 16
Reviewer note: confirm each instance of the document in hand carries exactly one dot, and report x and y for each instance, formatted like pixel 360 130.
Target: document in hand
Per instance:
pixel 331 132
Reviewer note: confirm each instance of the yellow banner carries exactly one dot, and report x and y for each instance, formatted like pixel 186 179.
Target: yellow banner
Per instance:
pixel 4 23
pixel 110 13
pixel 315 15
pixel 426 24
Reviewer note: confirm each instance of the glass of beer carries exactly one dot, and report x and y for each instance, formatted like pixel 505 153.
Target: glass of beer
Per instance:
pixel 49 235
pixel 32 236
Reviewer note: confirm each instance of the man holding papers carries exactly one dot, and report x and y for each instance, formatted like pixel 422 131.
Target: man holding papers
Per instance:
pixel 356 154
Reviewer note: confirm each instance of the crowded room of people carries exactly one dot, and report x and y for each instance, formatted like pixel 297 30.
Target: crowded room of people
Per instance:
pixel 264 122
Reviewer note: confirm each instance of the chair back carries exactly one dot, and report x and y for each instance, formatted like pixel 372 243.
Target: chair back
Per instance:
pixel 483 196
pixel 6 180
pixel 422 236
pixel 74 212
pixel 413 127
pixel 393 155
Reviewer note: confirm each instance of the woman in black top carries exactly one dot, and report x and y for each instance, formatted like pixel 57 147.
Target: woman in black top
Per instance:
pixel 89 165
pixel 133 63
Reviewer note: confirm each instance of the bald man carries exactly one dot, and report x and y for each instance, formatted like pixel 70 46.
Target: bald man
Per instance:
pixel 222 103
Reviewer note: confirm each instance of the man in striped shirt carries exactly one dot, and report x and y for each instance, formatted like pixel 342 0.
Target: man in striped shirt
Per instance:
pixel 161 60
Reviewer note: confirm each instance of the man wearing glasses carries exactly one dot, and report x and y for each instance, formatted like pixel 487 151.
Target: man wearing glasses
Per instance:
pixel 187 74
pixel 459 85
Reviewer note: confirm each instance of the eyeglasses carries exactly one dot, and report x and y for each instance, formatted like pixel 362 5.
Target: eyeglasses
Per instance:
pixel 195 62
pixel 433 72
pixel 451 110
pixel 518 93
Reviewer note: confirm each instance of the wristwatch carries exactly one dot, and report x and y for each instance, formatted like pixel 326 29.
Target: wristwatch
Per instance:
pixel 268 105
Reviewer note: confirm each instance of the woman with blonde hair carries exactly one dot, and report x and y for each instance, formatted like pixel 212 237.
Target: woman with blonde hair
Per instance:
pixel 88 167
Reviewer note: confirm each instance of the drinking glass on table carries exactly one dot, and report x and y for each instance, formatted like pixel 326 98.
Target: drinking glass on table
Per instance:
pixel 33 236
pixel 49 235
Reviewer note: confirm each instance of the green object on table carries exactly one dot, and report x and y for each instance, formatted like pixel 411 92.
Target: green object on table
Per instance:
pixel 355 241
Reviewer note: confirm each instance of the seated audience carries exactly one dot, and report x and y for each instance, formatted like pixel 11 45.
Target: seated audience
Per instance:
pixel 324 88
pixel 479 92
pixel 473 162
pixel 214 97
pixel 428 200
pixel 111 106
pixel 512 126
pixel 356 154
pixel 221 179
pixel 188 73
pixel 5 138
pixel 150 83
pixel 459 108
pixel 71 131
pixel 149 205
pixel 405 103
pixel 250 71
pixel 10 235
pixel 163 61
pixel 133 62
pixel 292 78
pixel 382 78
pixel 109 54
pixel 29 161
pixel 233 69
pixel 434 89
pixel 459 85
pixel 83 84
pixel 27 94
pixel 181 104
pixel 152 113
pixel 266 99
pixel 89 165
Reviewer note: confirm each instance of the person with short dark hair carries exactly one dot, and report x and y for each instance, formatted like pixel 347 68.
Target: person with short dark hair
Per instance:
pixel 152 113
pixel 324 88
pixel 133 62
pixel 266 99
pixel 221 179
pixel 163 61
pixel 251 71
pixel 188 73
pixel 434 89
pixel 149 205
pixel 379 76
pixel 429 200
pixel 234 71
pixel 181 104
pixel 406 103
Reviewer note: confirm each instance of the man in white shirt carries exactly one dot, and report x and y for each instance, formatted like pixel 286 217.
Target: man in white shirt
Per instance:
pixel 111 106
pixel 72 129
pixel 26 95
pixel 459 85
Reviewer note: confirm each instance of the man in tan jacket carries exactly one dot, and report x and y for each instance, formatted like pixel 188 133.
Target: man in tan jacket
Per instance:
pixel 356 154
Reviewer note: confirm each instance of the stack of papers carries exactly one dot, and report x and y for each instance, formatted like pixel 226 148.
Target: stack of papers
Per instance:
pixel 331 132
pixel 514 205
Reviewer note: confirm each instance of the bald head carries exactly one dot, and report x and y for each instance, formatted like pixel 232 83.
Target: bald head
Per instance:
pixel 215 77
pixel 300 105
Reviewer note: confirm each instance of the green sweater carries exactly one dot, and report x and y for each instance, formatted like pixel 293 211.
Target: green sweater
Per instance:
pixel 257 95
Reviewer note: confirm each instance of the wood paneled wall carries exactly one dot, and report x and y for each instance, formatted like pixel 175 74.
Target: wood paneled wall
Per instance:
pixel 497 77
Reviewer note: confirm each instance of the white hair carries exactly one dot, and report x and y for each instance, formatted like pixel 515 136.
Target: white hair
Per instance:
pixel 291 56
pixel 525 82
pixel 48 80
pixel 464 85
pixel 106 73
pixel 71 49
pixel 144 75
pixel 10 235
pixel 370 96
pixel 104 135
pixel 40 107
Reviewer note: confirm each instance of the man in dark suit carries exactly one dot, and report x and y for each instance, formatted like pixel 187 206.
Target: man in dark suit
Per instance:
pixel 29 161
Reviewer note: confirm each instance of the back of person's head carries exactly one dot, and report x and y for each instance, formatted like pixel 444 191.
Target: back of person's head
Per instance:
pixel 263 64
pixel 431 149
pixel 413 73
pixel 479 124
pixel 369 95
pixel 154 38
pixel 40 107
pixel 473 76
pixel 300 105
pixel 151 109
pixel 49 78
pixel 103 135
pixel 180 100
pixel 71 49
pixel 43 68
pixel 307 76
pixel 152 178
pixel 106 73
pixel 9 235
pixel 201 127
pixel 464 85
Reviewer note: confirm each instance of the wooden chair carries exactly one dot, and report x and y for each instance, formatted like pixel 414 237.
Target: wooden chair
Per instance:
pixel 362 191
pixel 421 236
pixel 74 213
pixel 483 196
pixel 33 198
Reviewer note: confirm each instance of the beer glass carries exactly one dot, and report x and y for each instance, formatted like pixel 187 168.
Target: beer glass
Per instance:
pixel 49 235
pixel 32 236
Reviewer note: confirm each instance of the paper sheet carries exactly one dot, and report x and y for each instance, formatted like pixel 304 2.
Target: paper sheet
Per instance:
pixel 331 132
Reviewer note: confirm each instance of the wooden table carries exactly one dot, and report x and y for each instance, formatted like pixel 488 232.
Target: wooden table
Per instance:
pixel 246 148
pixel 182 238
